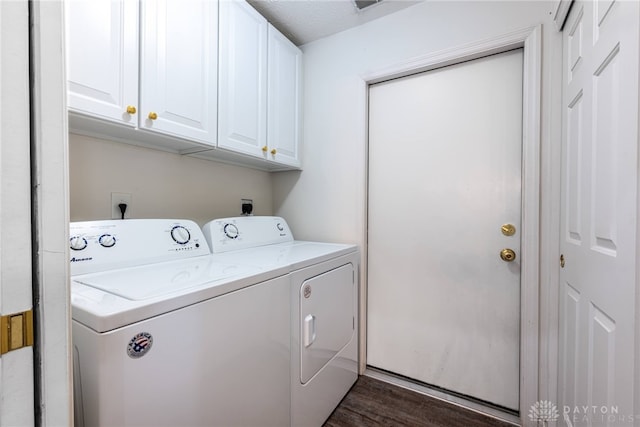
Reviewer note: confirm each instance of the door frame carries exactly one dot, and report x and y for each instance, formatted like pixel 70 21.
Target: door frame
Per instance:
pixel 50 215
pixel 530 39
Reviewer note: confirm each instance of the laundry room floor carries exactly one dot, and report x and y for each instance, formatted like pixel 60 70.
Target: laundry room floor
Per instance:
pixel 375 403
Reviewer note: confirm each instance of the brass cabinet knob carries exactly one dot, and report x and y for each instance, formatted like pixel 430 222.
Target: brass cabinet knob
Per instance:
pixel 152 116
pixel 131 109
pixel 507 255
pixel 273 151
pixel 264 149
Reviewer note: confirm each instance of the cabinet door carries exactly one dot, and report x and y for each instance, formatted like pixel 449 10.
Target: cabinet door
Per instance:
pixel 243 79
pixel 102 58
pixel 178 73
pixel 283 118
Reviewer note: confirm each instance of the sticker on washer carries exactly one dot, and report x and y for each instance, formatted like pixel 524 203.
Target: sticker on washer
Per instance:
pixel 139 345
pixel 307 291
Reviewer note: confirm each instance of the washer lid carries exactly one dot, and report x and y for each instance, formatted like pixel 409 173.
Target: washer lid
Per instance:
pixel 157 280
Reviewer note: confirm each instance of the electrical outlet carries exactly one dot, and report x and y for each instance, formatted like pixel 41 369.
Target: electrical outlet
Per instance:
pixel 246 206
pixel 116 199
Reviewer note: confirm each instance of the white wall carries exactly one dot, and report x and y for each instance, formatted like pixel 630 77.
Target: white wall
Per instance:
pixel 327 200
pixel 163 185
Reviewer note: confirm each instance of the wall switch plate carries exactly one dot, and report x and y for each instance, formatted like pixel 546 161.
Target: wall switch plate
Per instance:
pixel 116 199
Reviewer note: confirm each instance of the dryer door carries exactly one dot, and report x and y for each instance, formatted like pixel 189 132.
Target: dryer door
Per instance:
pixel 326 318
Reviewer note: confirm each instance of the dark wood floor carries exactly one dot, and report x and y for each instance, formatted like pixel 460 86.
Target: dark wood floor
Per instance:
pixel 375 403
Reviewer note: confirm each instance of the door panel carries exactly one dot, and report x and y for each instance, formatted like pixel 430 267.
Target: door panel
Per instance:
pixel 326 318
pixel 284 95
pixel 598 227
pixel 16 367
pixel 242 102
pixel 102 58
pixel 444 176
pixel 178 73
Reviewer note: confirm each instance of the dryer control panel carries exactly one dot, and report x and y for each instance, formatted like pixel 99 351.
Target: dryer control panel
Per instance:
pixel 105 245
pixel 230 234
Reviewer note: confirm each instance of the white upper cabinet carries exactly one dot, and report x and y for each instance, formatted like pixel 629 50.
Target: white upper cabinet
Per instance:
pixel 260 79
pixel 102 58
pixel 284 96
pixel 178 68
pixel 242 105
pixel 172 76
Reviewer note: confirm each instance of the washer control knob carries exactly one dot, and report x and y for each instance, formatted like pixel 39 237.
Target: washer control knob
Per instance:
pixel 180 234
pixel 77 243
pixel 231 231
pixel 107 240
pixel 280 226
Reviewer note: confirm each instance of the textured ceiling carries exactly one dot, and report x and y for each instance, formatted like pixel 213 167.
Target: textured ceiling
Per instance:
pixel 304 21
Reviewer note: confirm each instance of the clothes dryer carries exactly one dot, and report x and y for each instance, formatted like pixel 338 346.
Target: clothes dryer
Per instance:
pixel 323 281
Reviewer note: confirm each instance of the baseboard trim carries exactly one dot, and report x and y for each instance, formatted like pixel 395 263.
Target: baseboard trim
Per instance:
pixel 440 395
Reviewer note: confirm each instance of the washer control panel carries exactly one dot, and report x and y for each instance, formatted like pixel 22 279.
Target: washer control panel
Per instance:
pixel 228 234
pixel 104 245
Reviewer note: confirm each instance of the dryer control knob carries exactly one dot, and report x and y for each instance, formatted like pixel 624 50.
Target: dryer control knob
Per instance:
pixel 77 243
pixel 107 240
pixel 231 231
pixel 180 234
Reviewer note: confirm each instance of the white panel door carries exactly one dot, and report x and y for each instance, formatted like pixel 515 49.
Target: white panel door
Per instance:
pixel 16 367
pixel 102 58
pixel 178 75
pixel 242 103
pixel 284 95
pixel 444 176
pixel 599 213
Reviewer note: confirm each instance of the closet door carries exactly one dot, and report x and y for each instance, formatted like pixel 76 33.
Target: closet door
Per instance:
pixel 16 364
pixel 598 235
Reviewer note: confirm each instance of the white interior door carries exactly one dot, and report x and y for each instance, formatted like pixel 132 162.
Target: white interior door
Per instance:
pixel 444 176
pixel 16 367
pixel 599 212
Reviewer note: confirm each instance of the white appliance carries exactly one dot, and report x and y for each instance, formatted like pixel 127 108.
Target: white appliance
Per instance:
pixel 167 335
pixel 323 290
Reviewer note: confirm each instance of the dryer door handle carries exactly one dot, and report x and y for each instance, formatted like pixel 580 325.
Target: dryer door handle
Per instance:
pixel 309 330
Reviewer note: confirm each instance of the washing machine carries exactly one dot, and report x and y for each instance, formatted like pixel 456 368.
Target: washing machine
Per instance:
pixel 165 334
pixel 324 305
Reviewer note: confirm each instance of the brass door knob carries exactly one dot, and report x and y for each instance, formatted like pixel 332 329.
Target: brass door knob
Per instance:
pixel 265 149
pixel 507 255
pixel 131 109
pixel 273 151
pixel 508 229
pixel 152 116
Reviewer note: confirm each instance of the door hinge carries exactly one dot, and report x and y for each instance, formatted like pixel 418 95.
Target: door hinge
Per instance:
pixel 16 331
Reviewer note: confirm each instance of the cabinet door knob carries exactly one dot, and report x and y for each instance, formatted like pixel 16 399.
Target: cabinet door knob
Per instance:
pixel 273 151
pixel 152 116
pixel 264 149
pixel 131 109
